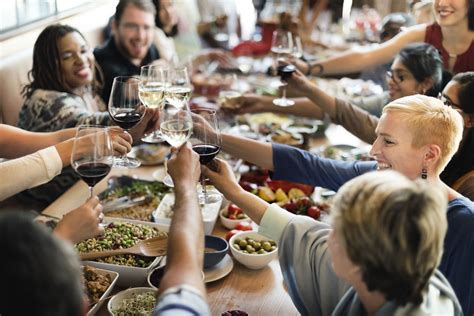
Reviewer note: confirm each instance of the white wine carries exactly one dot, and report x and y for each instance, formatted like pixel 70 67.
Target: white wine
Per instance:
pixel 152 94
pixel 176 132
pixel 176 95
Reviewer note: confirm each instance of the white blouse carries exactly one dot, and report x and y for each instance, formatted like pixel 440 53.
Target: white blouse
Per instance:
pixel 29 171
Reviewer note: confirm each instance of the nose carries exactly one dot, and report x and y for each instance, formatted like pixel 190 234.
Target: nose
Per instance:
pixel 375 150
pixel 80 59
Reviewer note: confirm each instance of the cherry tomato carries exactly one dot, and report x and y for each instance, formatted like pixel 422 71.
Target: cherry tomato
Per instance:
pixel 231 233
pixel 304 201
pixel 233 210
pixel 244 226
pixel 290 207
pixel 314 212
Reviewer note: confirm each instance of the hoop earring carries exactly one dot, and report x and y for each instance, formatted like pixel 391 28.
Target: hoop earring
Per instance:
pixel 424 173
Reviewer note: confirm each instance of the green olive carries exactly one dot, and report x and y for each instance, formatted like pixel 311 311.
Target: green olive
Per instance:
pixel 250 249
pixel 243 243
pixel 266 245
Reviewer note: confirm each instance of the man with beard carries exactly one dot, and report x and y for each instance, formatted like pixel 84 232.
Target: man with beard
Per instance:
pixel 131 45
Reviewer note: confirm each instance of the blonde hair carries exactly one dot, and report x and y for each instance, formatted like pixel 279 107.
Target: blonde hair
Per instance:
pixel 393 229
pixel 431 122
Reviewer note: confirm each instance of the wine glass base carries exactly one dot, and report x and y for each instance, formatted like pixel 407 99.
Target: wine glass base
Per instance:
pixel 283 102
pixel 127 162
pixel 209 198
pixel 152 139
pixel 168 181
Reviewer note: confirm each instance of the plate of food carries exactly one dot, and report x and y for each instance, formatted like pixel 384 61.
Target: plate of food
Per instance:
pixel 98 285
pixel 133 269
pixel 150 154
pixel 131 198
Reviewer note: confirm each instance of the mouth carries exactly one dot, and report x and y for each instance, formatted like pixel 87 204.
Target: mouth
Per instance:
pixel 383 165
pixel 444 13
pixel 83 72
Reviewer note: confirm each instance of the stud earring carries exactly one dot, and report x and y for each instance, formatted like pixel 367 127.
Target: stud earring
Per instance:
pixel 424 173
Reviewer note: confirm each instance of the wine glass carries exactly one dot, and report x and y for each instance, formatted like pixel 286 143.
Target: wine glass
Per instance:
pixel 176 126
pixel 126 110
pixel 92 154
pixel 285 72
pixel 297 50
pixel 282 47
pixel 151 92
pixel 206 142
pixel 179 87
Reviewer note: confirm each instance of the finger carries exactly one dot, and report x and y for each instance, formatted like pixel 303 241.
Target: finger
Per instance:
pixel 93 201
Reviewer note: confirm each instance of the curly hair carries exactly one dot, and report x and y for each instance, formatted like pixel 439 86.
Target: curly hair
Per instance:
pixel 393 229
pixel 46 71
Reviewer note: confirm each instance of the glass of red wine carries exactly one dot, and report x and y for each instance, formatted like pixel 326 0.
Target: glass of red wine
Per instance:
pixel 285 72
pixel 92 154
pixel 206 142
pixel 126 110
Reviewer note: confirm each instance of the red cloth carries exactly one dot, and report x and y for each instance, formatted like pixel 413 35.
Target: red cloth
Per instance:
pixel 464 62
pixel 252 48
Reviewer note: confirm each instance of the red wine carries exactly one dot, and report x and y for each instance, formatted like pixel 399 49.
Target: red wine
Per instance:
pixel 93 172
pixel 127 120
pixel 285 71
pixel 206 152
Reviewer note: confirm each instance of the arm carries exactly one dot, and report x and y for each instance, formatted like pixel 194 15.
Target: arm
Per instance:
pixel 312 284
pixel 354 61
pixel 256 152
pixel 29 171
pixel 16 142
pixel 253 103
pixel 186 236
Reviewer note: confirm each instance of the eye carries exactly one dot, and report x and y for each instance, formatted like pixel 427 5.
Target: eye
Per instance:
pixel 66 56
pixel 388 142
pixel 401 77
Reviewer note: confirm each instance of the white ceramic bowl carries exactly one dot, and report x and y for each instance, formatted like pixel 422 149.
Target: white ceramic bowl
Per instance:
pixel 231 223
pixel 116 300
pixel 252 261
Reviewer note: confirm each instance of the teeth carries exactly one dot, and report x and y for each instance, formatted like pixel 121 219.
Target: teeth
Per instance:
pixel 383 165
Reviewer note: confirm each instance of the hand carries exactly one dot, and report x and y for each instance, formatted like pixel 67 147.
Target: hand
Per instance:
pixel 221 20
pixel 148 124
pixel 82 222
pixel 254 103
pixel 299 84
pixel 183 166
pixel 160 62
pixel 224 58
pixel 121 141
pixel 222 177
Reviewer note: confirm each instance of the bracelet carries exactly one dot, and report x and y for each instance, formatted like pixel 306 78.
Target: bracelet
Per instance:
pixel 308 71
pixel 320 69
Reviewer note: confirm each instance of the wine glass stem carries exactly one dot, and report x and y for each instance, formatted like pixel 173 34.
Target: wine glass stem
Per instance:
pixel 91 190
pixel 283 93
pixel 203 185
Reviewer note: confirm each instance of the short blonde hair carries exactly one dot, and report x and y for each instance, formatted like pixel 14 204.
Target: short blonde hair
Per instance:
pixel 393 229
pixel 431 123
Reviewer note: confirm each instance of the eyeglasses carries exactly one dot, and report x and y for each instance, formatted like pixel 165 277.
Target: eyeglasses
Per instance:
pixel 395 76
pixel 447 101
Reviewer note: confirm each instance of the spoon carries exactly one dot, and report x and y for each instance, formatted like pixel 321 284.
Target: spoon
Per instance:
pixel 153 247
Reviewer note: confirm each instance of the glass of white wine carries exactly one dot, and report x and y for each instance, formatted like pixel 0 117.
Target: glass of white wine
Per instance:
pixel 282 48
pixel 176 126
pixel 179 87
pixel 152 91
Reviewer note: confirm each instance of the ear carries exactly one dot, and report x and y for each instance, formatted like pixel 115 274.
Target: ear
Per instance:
pixel 432 154
pixel 426 85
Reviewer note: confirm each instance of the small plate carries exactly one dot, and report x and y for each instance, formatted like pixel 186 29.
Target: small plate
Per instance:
pixel 220 270
pixel 150 155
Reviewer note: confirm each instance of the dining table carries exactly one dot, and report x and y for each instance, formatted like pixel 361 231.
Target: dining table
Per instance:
pixel 257 292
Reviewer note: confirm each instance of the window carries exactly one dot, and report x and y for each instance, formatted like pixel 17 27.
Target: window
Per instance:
pixel 18 13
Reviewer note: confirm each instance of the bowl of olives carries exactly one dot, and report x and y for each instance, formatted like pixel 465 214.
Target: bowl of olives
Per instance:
pixel 252 249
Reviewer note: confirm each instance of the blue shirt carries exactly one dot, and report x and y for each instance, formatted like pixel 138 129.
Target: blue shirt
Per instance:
pixel 457 263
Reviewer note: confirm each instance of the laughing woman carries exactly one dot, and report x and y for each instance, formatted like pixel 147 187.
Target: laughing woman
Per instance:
pixel 63 93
